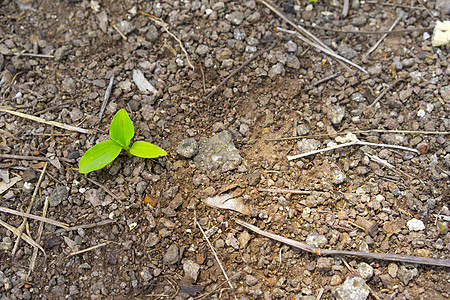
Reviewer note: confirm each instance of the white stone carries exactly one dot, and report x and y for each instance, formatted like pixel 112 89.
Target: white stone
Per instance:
pixel 415 225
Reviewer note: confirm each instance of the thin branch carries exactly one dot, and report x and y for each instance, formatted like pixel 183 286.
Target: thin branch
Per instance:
pixel 34 55
pixel 371 32
pixel 383 37
pixel 39 158
pixel 41 120
pixel 120 32
pixel 238 69
pixel 105 99
pixel 25 237
pixel 213 251
pixel 299 192
pixel 318 251
pixel 30 206
pixel 385 91
pixel 326 79
pixel 104 188
pixel 34 217
pixel 89 249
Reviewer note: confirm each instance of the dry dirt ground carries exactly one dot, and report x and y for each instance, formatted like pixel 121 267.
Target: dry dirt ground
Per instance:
pixel 57 58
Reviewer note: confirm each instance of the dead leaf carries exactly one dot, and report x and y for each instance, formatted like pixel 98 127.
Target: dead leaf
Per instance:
pixel 226 201
pixel 142 83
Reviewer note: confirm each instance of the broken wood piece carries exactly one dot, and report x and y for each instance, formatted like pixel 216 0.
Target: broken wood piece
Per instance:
pixel 39 218
pixel 24 236
pixel 370 227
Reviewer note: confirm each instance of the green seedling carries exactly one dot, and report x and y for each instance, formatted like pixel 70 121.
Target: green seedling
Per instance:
pixel 121 132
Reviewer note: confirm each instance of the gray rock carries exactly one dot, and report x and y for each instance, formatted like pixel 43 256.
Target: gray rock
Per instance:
pixel 415 225
pixel 152 33
pixel 223 54
pixel 58 195
pixel 29 175
pixel 244 129
pixel 324 264
pixel 406 275
pixel 125 27
pixel 191 269
pixel 307 145
pixel 443 6
pixel 337 176
pixel 358 98
pixel 292 62
pixel 232 241
pixel 187 148
pixel 291 46
pixel 68 85
pixel 393 270
pixel 5 50
pixel 92 196
pixel 251 280
pixel 276 70
pixel 145 274
pixel 172 255
pixel 236 17
pixel 359 21
pixel 365 270
pixel 5 281
pixel 239 34
pixel 76 114
pixel 202 50
pixel 253 178
pixel 244 238
pixel 336 114
pixel 346 51
pixel 103 21
pixel 141 186
pixel 152 240
pixel 254 17
pixel 315 240
pixel 61 52
pixel 354 288
pixel 214 152
pixel 302 129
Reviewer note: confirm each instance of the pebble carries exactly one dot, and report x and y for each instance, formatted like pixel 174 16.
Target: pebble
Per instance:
pixel 365 270
pixel 307 145
pixel 244 238
pixel 291 46
pixel 202 50
pixel 302 129
pixel 239 34
pixel 187 148
pixel 443 6
pixel 347 52
pixel 315 240
pixel 69 85
pixel 254 17
pixel 336 114
pixel 172 255
pixel 292 62
pixel 232 241
pixel 140 187
pixel 29 175
pixel 415 225
pixel 125 27
pixel 152 33
pixel 276 70
pixel 406 274
pixel 335 280
pixel 145 274
pixel 393 270
pixel 111 259
pixel 337 176
pixel 236 17
pixel 253 178
pixel 251 280
pixel 58 195
pixel 358 98
pixel 324 264
pixel 354 288
pixel 359 21
pixel 191 269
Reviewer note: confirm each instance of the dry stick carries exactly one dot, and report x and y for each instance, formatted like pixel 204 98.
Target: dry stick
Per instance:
pixel 371 32
pixel 34 55
pixel 387 165
pixel 345 9
pixel 311 37
pixel 120 32
pixel 30 206
pixel 239 69
pixel 86 226
pixel 421 2
pixel 360 143
pixel 160 22
pixel 52 123
pixel 383 37
pixel 325 50
pixel 299 192
pixel 40 231
pixel 88 249
pixel 105 99
pixel 213 251
pixel 104 188
pixel 34 217
pixel 378 256
pixel 54 107
pixel 385 91
pixel 326 79
pixel 39 158
pixel 25 237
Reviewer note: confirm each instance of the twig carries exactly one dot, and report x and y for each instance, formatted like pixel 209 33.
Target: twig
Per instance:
pixel 89 249
pixel 378 256
pixel 52 123
pixel 323 49
pixel 39 158
pixel 239 69
pixel 396 5
pixel 359 132
pixel 120 32
pixel 24 236
pixel 164 26
pixel 213 251
pixel 386 164
pixel 30 216
pixel 86 226
pixel 34 55
pixel 105 99
pixel 371 32
pixel 326 79
pixel 38 240
pixel 385 91
pixel 384 36
pixel 104 188
pixel 299 192
pixel 360 143
pixel 345 8
pixel 421 2
pixel 30 206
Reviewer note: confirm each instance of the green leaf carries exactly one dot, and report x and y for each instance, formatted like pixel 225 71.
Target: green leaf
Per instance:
pixel 146 150
pixel 99 156
pixel 121 129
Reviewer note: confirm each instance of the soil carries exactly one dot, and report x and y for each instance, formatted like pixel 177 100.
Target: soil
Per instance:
pixel 57 58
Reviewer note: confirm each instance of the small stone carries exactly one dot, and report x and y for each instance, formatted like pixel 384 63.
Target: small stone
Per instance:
pixel 191 269
pixel 292 62
pixel 407 274
pixel 172 255
pixel 141 186
pixel 152 33
pixel 415 225
pixel 443 6
pixel 29 175
pixel 239 34
pixel 338 176
pixel 346 51
pixel 354 288
pixel 307 145
pixel 244 238
pixel 251 280
pixel 253 179
pixel 336 114
pixel 68 85
pixel 235 17
pixel 244 129
pixel 58 195
pixel 324 264
pixel 145 274
pixel 111 259
pixel 315 240
pixel 335 280
pixel 359 21
pixel 254 17
pixel 365 270
pixel 393 270
pixel 232 241
pixel 125 27
pixel 202 50
pixel 61 52
pixel 276 70
pixel 152 240
pixel 291 46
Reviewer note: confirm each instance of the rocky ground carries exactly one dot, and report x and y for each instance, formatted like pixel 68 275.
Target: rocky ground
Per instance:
pixel 57 59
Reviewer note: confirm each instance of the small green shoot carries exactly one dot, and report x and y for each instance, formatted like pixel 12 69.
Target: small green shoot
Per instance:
pixel 121 132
